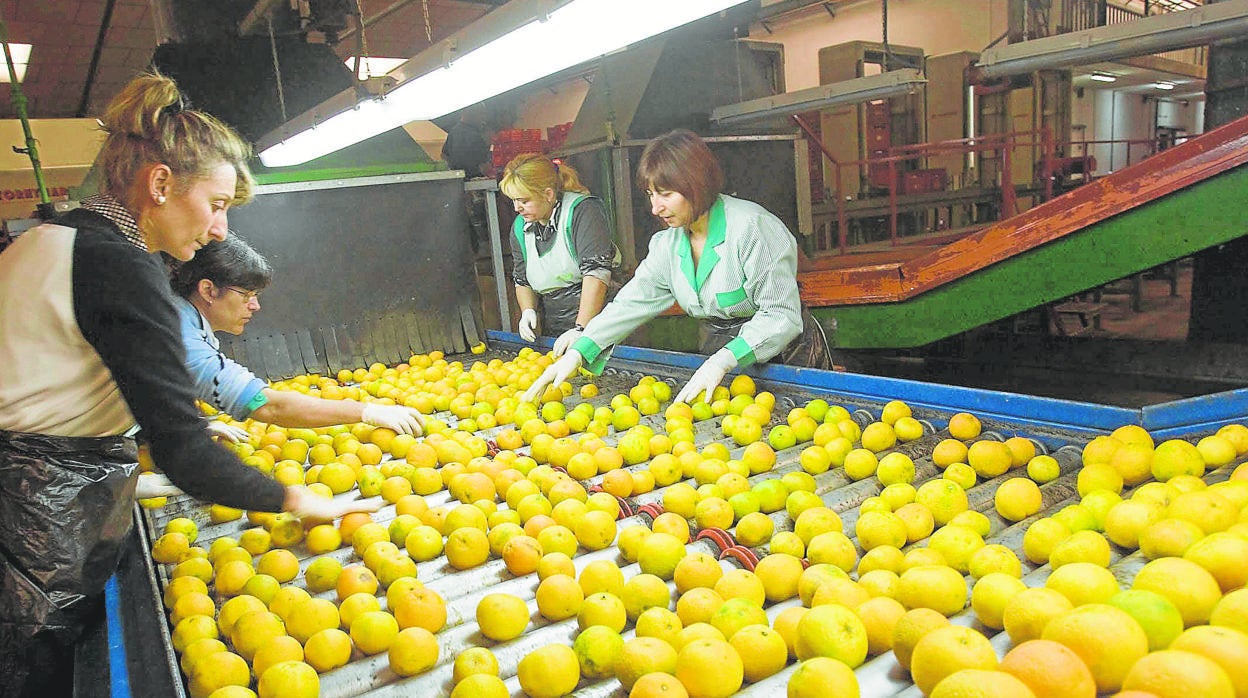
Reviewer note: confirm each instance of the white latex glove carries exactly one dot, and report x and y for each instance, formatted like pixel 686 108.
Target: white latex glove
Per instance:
pixel 557 373
pixel 154 485
pixel 403 420
pixel 565 341
pixel 309 506
pixel 708 377
pixel 528 325
pixel 228 432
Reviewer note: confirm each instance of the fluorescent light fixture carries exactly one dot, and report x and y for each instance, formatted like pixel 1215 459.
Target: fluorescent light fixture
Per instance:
pixel 375 65
pixel 1164 85
pixel 519 42
pixel 1141 37
pixel 1103 77
pixel 21 58
pixel 891 84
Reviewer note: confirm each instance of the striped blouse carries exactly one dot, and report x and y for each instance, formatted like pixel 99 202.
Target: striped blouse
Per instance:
pixel 748 269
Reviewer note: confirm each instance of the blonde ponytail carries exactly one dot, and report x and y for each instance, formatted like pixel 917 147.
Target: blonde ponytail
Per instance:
pixel 149 122
pixel 530 174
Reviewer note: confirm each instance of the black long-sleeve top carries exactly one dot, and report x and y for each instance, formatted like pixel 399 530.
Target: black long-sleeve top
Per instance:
pixel 90 344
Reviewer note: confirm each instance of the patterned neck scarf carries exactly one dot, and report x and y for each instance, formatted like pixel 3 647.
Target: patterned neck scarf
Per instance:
pixel 544 231
pixel 113 210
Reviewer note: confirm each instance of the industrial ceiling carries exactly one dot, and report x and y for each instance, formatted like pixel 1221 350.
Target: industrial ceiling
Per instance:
pixel 85 50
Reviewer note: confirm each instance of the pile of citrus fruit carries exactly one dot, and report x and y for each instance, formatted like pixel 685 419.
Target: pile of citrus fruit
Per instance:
pixel 1135 581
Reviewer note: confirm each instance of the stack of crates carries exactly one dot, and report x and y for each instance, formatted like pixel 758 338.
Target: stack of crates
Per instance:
pixel 509 143
pixel 556 135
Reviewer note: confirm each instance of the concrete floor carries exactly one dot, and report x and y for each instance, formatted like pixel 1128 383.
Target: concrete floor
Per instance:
pixel 1161 317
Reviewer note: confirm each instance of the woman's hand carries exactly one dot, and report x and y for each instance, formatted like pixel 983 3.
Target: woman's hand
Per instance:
pixel 557 373
pixel 708 377
pixel 310 507
pixel 228 432
pixel 155 485
pixel 528 325
pixel 402 420
pixel 566 340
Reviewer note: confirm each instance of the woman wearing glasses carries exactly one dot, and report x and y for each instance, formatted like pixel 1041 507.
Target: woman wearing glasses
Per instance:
pixel 219 291
pixel 726 261
pixel 561 248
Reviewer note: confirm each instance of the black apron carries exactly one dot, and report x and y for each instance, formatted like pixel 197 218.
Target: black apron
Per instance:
pixel 65 509
pixel 809 350
pixel 560 308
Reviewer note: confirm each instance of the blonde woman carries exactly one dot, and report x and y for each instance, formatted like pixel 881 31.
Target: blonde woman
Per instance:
pixel 561 248
pixel 91 352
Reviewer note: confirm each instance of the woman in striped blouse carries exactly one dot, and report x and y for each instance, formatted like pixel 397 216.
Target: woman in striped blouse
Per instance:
pixel 726 261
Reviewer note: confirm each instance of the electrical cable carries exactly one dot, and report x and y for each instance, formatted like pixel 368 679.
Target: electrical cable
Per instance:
pixel 277 69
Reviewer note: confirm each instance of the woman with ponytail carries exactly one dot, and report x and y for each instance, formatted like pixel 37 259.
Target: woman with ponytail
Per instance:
pixel 91 354
pixel 561 248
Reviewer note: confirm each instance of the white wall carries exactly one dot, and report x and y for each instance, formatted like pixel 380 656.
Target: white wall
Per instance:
pixel 936 26
pixel 552 106
pixel 1117 115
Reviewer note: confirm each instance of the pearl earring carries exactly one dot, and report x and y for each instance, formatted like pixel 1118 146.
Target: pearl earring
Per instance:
pixel 160 199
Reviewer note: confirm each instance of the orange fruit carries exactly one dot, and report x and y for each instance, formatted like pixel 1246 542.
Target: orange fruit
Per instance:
pixel 1027 613
pixel 1179 674
pixel 910 629
pixel 880 616
pixel 289 680
pixel 549 672
pixel 1050 670
pixel 502 617
pixel 834 631
pixel 559 597
pixel 709 669
pixel 964 426
pixel 420 607
pixel 413 651
pixel 658 684
pixel 356 579
pixel 1188 586
pixel 1225 646
pixel 643 655
pixel 978 683
pixel 310 617
pixel 1107 639
pixel 821 677
pixel 947 650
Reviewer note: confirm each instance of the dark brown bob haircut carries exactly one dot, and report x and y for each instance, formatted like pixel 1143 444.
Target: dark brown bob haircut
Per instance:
pixel 679 161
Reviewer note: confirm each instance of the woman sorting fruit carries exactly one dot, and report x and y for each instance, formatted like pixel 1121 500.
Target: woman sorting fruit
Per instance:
pixel 91 353
pixel 726 261
pixel 561 248
pixel 219 291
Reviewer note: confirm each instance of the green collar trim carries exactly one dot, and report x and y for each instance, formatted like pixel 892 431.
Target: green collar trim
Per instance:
pixel 716 232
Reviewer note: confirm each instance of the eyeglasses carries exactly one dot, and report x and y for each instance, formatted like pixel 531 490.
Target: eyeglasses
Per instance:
pixel 248 296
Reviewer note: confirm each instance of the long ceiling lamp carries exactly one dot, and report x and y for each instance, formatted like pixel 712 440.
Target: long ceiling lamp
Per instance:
pixel 1140 37
pixel 520 42
pixel 855 91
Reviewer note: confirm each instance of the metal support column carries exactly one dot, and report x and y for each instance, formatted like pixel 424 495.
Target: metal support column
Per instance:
pixel 624 233
pixel 490 187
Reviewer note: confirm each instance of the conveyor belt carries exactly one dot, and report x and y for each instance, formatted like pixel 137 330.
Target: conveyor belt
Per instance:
pixel 1002 415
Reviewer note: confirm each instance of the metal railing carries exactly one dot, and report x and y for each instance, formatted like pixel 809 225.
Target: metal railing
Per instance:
pixel 1000 147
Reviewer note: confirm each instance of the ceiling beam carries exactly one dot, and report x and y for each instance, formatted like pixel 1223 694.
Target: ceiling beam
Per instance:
pixel 261 10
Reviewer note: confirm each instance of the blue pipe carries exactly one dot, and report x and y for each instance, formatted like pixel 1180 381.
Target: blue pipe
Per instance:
pixel 118 673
